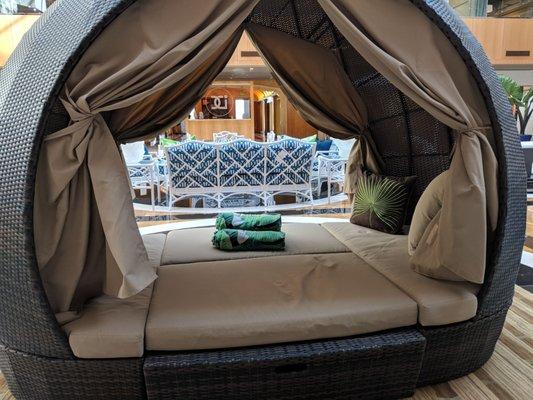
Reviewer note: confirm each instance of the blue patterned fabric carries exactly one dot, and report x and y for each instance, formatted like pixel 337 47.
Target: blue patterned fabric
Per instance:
pixel 192 165
pixel 289 162
pixel 135 173
pixel 242 163
pixel 162 168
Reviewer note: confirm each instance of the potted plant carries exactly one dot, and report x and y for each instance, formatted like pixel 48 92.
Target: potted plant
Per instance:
pixel 522 102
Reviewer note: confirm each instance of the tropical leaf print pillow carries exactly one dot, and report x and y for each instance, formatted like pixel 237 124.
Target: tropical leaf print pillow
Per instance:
pixel 380 202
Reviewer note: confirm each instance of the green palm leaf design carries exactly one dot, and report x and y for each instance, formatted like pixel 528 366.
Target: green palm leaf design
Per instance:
pixel 380 197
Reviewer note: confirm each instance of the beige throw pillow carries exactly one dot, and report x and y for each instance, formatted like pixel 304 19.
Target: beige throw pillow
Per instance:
pixel 424 231
pixel 426 209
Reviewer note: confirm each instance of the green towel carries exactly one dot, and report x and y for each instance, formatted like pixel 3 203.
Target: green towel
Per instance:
pixel 239 240
pixel 249 222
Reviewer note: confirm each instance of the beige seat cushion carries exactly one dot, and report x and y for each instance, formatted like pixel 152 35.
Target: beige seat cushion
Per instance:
pixel 113 328
pixel 259 301
pixel 194 245
pixel 439 302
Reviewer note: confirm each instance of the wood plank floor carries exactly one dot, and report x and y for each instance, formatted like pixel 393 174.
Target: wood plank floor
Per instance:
pixel 507 376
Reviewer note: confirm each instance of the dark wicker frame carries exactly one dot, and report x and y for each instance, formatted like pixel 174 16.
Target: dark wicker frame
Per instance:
pixel 34 354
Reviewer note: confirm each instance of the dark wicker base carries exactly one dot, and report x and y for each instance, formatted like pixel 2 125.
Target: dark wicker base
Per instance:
pixel 457 350
pixel 382 366
pixel 37 378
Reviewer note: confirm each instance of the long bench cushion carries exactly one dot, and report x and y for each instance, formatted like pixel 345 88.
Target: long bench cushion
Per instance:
pixel 246 302
pixel 194 245
pixel 113 328
pixel 439 302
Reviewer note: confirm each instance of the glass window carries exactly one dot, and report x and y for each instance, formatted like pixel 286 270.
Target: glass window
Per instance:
pixel 470 8
pixel 242 109
pixel 493 8
pixel 510 8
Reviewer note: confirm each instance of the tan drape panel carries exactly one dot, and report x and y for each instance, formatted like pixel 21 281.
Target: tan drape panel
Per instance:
pixel 400 42
pixel 158 50
pixel 171 105
pixel 313 79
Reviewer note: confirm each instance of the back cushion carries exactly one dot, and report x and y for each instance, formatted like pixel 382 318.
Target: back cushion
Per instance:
pixel 426 209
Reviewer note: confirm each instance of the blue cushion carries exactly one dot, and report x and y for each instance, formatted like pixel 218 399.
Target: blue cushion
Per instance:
pixel 323 145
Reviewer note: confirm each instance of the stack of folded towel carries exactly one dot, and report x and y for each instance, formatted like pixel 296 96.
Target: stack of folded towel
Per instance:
pixel 247 232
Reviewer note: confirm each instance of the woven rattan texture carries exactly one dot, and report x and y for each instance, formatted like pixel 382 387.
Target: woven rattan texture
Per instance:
pixel 503 259
pixel 457 350
pixel 36 378
pixel 29 84
pixel 336 369
pixel 410 140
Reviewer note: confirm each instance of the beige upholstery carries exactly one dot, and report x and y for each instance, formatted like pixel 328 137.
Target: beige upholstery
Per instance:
pixel 113 328
pixel 155 245
pixel 267 300
pixel 426 209
pixel 194 245
pixel 263 300
pixel 439 302
pixel 454 245
pixel 110 327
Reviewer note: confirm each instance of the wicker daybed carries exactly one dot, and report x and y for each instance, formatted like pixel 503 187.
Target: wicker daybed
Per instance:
pixel 61 193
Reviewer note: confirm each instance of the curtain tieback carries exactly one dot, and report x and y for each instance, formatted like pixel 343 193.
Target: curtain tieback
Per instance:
pixel 365 131
pixel 76 112
pixel 81 118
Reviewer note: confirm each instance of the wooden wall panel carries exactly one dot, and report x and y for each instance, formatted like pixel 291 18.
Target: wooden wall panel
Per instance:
pixel 239 59
pixel 203 129
pixel 12 28
pixel 499 35
pixel 296 125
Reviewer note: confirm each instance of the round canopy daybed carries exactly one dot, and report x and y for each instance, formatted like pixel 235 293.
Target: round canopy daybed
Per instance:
pixel 406 78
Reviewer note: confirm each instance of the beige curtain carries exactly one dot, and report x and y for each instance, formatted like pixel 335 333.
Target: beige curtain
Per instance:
pixel 400 42
pixel 143 72
pixel 313 79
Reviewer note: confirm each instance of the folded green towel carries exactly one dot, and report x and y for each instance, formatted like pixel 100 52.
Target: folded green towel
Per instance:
pixel 239 240
pixel 249 222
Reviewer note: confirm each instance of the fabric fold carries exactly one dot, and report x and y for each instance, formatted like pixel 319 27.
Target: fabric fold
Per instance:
pixel 321 92
pixel 469 199
pixel 86 237
pixel 439 81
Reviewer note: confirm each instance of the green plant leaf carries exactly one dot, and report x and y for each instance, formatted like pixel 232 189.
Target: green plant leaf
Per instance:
pixel 382 198
pixel 528 97
pixel 515 92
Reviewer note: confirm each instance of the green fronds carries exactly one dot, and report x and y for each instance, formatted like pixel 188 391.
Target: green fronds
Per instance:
pixel 381 197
